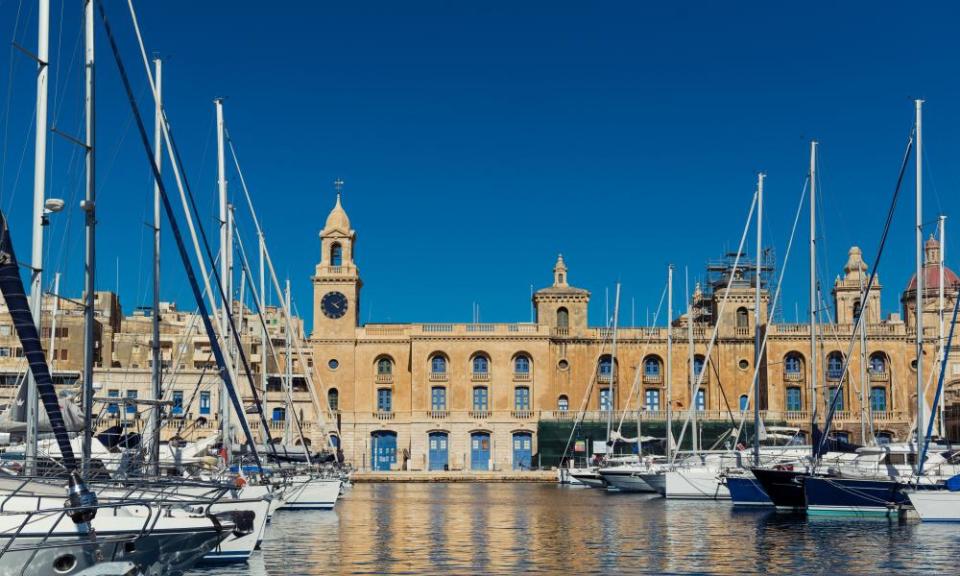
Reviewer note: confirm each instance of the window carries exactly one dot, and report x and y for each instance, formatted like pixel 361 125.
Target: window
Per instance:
pixel 64 353
pixel 4 351
pixel 794 400
pixel 856 311
pixel 521 398
pixel 563 403
pixel 878 364
pixel 606 368
pixel 385 400
pixel 113 407
pixel 605 403
pixel 481 365
pixel 884 438
pixel 438 364
pixel 384 366
pixel 131 408
pixel 333 364
pixel 841 436
pixel 480 398
pixel 792 364
pixel 744 402
pixel 701 399
pixel 4 329
pixel 743 363
pixel 878 399
pixel 697 365
pixel 204 403
pixel 651 367
pixel 834 366
pixel 651 399
pixel 836 393
pixel 743 318
pixel 521 364
pixel 438 398
pixel 563 318
pixel 177 409
pixel 279 414
pixel 333 399
pixel 336 254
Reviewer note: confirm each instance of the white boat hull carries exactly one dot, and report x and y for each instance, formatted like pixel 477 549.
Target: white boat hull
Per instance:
pixel 936 505
pixel 626 481
pixel 306 493
pixel 694 484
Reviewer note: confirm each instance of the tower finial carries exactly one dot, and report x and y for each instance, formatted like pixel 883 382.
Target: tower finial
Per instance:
pixel 338 186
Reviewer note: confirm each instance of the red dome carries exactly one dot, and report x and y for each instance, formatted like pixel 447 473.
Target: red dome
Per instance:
pixel 931 278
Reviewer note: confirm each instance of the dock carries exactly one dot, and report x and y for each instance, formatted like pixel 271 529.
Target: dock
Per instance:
pixel 498 476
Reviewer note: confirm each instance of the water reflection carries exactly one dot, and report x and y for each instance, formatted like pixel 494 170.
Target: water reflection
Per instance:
pixel 517 528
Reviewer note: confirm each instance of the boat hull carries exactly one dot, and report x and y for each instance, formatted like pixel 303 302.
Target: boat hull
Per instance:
pixel 656 480
pixel 747 491
pixel 936 505
pixel 307 493
pixel 828 496
pixel 783 487
pixel 626 481
pixel 694 484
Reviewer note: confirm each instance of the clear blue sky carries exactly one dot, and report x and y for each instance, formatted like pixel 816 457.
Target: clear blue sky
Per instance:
pixel 477 142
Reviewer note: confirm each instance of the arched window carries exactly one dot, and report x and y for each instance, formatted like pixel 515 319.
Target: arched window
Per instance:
pixel 743 318
pixel 651 367
pixel 878 399
pixel 856 310
pixel 834 366
pixel 336 254
pixel 279 414
pixel 563 318
pixel 744 402
pixel 878 363
pixel 481 364
pixel 793 363
pixel 385 366
pixel 563 403
pixel 438 364
pixel 521 364
pixel 697 365
pixel 333 399
pixel 606 368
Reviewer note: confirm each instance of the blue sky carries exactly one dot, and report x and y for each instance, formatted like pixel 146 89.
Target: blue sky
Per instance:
pixel 478 140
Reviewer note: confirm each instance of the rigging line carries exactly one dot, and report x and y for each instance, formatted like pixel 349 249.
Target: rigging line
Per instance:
pixel 870 284
pixel 932 180
pixel 639 368
pixel 11 68
pixel 23 156
pixel 174 226
pixel 588 393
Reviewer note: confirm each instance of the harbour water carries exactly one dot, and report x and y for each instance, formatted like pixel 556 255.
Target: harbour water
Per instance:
pixel 550 529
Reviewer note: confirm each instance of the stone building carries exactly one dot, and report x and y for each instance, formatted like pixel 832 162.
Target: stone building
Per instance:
pixel 473 396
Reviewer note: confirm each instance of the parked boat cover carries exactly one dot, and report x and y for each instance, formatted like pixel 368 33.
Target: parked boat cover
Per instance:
pixel 11 286
pixel 953 483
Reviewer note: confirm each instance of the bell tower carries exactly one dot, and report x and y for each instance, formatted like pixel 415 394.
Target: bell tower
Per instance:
pixel 561 306
pixel 336 281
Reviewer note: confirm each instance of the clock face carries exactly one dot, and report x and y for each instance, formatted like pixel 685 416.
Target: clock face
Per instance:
pixel 334 304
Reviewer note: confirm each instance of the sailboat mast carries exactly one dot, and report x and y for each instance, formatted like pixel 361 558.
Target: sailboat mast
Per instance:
pixel 941 223
pixel 613 369
pixel 153 425
pixel 691 372
pixel 669 375
pixel 918 304
pixel 39 192
pixel 225 275
pixel 813 292
pixel 756 320
pixel 90 224
pixel 263 328
pixel 288 358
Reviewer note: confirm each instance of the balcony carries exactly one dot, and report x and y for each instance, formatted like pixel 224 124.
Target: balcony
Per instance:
pixel 438 414
pixel 653 378
pixel 834 375
pixel 744 331
pixel 561 331
pixel 480 377
pixel 385 378
pixel 521 414
pixel 879 376
pixel 792 376
pixel 384 415
pixel 479 414
pixel 439 377
pixel 604 378
pixel 522 376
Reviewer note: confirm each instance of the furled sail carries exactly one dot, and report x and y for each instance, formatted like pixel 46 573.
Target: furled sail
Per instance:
pixel 11 286
pixel 14 418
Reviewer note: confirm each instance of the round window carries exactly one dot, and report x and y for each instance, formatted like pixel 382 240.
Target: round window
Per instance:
pixel 913 364
pixel 563 364
pixel 333 364
pixel 744 364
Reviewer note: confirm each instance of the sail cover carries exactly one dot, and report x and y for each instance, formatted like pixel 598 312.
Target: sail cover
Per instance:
pixel 14 418
pixel 11 286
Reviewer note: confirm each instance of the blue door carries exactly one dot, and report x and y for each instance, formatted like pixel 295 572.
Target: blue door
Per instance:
pixel 383 450
pixel 438 450
pixel 479 451
pixel 522 450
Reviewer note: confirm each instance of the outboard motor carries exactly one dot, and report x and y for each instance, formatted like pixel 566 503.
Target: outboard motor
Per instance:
pixel 242 521
pixel 82 501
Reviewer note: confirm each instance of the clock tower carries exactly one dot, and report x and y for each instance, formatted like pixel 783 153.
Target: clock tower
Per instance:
pixel 336 282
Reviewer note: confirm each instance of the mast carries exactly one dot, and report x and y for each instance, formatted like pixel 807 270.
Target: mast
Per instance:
pixel 90 224
pixel 613 369
pixel 866 410
pixel 669 375
pixel 756 321
pixel 53 319
pixel 288 360
pixel 263 327
pixel 225 275
pixel 941 221
pixel 39 220
pixel 918 304
pixel 813 292
pixel 156 393
pixel 691 373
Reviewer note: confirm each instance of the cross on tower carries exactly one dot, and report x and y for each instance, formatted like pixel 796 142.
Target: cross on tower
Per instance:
pixel 338 185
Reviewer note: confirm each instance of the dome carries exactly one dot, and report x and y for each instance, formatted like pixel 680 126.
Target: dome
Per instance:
pixel 931 270
pixel 337 219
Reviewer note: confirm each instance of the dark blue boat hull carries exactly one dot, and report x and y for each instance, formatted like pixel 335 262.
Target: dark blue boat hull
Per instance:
pixel 747 491
pixel 853 496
